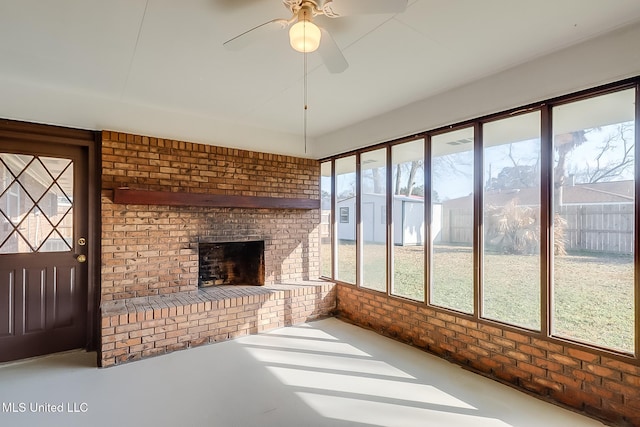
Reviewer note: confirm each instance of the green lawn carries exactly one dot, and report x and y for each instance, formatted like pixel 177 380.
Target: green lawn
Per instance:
pixel 593 294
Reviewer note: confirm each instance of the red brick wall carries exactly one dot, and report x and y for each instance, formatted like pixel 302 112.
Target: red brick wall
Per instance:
pixel 152 250
pixel 601 385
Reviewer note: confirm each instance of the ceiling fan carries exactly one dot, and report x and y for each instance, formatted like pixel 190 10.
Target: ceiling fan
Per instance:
pixel 305 36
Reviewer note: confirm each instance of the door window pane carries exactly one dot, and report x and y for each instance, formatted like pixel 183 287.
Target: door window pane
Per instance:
pixel 452 220
pixel 408 219
pixel 36 204
pixel 593 202
pixel 511 273
pixel 373 201
pixel 346 202
pixel 325 219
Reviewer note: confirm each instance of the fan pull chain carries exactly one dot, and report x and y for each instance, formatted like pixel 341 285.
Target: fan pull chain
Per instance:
pixel 306 107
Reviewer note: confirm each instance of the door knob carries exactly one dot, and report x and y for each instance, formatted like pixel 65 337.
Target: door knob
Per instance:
pixel 81 258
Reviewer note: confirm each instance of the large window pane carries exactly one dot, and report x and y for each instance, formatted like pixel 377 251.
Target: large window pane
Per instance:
pixel 593 202
pixel 346 212
pixel 325 219
pixel 408 219
pixel 511 273
pixel 452 220
pixel 373 208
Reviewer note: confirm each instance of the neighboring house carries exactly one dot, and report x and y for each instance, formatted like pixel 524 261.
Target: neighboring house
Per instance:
pixel 600 193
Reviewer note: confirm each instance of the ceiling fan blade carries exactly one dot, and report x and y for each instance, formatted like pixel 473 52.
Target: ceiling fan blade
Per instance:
pixel 337 8
pixel 331 55
pixel 254 34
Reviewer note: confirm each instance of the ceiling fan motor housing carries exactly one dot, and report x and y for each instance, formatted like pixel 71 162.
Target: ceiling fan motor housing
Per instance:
pixel 295 6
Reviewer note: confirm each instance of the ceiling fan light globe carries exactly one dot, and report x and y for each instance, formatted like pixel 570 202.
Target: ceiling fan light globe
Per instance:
pixel 304 36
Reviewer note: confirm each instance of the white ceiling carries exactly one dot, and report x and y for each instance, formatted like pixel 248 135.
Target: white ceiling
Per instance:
pixel 158 67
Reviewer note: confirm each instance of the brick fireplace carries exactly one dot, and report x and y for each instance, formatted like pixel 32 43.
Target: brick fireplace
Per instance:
pixel 150 299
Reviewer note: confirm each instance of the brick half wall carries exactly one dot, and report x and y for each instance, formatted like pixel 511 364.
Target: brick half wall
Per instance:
pixel 605 387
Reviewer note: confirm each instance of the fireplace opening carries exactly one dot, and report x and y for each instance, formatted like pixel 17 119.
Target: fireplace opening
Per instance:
pixel 231 263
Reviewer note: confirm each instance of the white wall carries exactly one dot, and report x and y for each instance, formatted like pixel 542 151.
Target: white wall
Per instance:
pixel 24 100
pixel 606 59
pixel 347 230
pixel 409 221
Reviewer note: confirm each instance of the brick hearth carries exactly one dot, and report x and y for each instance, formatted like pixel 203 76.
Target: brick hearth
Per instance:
pixel 147 326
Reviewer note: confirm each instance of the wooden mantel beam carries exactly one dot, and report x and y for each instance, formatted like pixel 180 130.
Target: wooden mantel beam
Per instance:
pixel 169 198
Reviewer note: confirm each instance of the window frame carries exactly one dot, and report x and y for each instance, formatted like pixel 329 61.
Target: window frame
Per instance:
pixel 546 183
pixel 543 252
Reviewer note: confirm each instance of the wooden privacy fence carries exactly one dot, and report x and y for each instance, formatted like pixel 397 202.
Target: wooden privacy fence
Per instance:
pixel 599 227
pixel 594 227
pixel 457 226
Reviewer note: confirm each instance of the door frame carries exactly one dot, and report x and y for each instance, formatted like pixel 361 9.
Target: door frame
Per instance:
pixel 91 142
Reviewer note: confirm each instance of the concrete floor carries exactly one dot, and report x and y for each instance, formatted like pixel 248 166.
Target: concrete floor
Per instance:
pixel 325 373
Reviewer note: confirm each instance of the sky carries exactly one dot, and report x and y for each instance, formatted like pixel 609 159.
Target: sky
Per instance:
pixel 453 173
